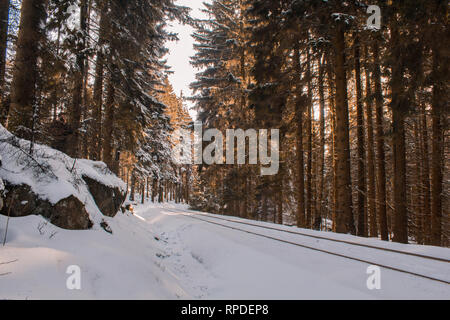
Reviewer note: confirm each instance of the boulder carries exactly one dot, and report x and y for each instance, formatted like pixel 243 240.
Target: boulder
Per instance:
pixel 108 199
pixel 68 213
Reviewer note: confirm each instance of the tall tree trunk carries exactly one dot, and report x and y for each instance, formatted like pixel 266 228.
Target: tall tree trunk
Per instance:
pixel 86 101
pixel 438 108
pixel 133 186
pixel 98 91
pixel 416 195
pixel 54 95
pixel 425 180
pixel 371 207
pixel 344 214
pixel 398 140
pixel 309 205
pixel 399 112
pixel 381 154
pixel 4 19
pixel 299 106
pixel 321 175
pixel 154 189
pixel 361 210
pixel 332 108
pixel 108 125
pixel 77 99
pixel 21 113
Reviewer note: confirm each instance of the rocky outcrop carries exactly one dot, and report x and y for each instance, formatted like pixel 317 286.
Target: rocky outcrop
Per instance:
pixel 68 213
pixel 108 199
pixel 69 193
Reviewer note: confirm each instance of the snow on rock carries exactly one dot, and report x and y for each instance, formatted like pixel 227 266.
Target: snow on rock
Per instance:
pixel 107 198
pixel 50 181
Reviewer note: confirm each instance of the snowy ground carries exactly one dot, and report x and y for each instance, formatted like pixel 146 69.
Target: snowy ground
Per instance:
pixel 162 254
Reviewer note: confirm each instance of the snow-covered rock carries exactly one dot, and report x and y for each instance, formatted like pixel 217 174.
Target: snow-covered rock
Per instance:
pixel 108 199
pixel 68 213
pixel 70 193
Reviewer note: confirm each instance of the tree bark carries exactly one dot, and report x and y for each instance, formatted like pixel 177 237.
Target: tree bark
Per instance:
pixel 332 108
pixel 301 222
pixel 133 186
pixel 416 195
pixel 21 114
pixel 398 140
pixel 438 108
pixel 4 15
pixel 361 209
pixel 108 125
pixel 371 189
pixel 381 154
pixel 309 197
pixel 321 191
pixel 425 180
pixel 98 91
pixel 344 214
pixel 75 112
pixel 399 112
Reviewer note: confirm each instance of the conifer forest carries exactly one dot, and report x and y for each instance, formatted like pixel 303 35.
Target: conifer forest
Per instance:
pixel 354 93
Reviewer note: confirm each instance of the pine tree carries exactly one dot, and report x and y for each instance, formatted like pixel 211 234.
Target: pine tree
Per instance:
pixel 75 111
pixel 24 109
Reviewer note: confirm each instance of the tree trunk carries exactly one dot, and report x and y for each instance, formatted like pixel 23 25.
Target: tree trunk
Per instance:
pixel 332 108
pixel 309 197
pixel 98 92
pixel 108 125
pixel 381 170
pixel 399 112
pixel 25 69
pixel 425 180
pixel 438 108
pixel 301 222
pixel 398 140
pixel 133 186
pixel 55 95
pixel 361 209
pixel 344 214
pixel 371 207
pixel 321 175
pixel 4 19
pixel 154 189
pixel 416 195
pixel 75 112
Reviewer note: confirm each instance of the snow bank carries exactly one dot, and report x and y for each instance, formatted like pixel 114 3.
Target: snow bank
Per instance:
pixel 161 252
pixel 124 265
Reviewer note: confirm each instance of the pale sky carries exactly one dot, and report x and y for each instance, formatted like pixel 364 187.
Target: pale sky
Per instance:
pixel 182 50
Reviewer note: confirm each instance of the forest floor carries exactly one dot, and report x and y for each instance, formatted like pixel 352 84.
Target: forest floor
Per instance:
pixel 165 252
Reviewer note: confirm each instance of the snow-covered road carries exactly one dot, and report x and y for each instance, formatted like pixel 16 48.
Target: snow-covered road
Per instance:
pixel 163 253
